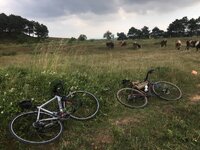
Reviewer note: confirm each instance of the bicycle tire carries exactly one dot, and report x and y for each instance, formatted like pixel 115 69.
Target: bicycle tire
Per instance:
pixel 167 90
pixel 84 105
pixel 131 98
pixel 27 129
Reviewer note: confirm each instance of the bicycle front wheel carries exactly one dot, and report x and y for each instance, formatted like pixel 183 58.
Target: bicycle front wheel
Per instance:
pixel 25 128
pixel 131 98
pixel 82 104
pixel 167 90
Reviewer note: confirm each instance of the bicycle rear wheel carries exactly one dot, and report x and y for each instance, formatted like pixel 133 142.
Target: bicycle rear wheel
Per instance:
pixel 131 98
pixel 25 128
pixel 82 105
pixel 167 90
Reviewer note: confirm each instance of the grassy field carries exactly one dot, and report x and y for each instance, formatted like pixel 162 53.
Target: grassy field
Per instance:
pixel 27 71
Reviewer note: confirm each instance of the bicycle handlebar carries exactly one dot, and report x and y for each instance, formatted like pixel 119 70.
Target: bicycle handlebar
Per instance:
pixel 150 71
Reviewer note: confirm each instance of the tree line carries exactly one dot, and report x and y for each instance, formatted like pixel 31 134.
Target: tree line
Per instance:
pixel 179 28
pixel 16 25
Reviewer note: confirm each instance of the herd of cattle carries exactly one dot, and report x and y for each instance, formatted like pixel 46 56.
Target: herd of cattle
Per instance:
pixel 110 44
pixel 178 44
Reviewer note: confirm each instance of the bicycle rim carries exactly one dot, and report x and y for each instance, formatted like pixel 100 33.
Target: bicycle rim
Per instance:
pixel 131 98
pixel 167 90
pixel 84 105
pixel 23 128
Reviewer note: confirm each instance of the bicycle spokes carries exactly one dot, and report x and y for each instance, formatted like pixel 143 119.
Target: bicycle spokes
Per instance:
pixel 27 130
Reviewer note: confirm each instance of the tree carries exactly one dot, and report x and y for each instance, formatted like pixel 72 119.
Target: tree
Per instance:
pixel 82 37
pixel 121 36
pixel 29 28
pixel 198 24
pixel 40 30
pixel 193 26
pixel 13 25
pixel 3 22
pixel 145 32
pixel 108 35
pixel 156 32
pixel 134 33
pixel 176 28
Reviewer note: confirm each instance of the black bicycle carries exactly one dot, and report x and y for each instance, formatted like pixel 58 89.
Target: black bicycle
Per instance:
pixel 137 93
pixel 44 126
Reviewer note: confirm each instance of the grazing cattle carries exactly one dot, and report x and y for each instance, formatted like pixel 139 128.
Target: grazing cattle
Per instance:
pixel 163 43
pixel 110 45
pixel 190 43
pixel 178 44
pixel 136 45
pixel 123 43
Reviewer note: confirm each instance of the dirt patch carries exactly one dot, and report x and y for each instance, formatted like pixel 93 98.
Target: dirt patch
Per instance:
pixel 198 85
pixel 101 139
pixel 168 109
pixel 195 98
pixel 125 121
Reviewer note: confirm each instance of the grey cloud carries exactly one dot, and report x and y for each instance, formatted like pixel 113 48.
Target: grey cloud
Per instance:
pixel 160 6
pixel 56 8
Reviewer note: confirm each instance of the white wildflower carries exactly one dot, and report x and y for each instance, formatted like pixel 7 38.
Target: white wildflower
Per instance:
pixel 43 72
pixel 11 90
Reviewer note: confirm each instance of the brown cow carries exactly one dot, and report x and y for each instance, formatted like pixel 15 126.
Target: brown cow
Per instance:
pixel 190 43
pixel 123 43
pixel 178 45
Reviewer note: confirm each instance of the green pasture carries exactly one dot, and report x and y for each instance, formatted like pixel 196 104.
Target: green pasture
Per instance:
pixel 28 70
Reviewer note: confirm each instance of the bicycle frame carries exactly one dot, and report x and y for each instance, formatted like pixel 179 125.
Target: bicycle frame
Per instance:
pixel 42 109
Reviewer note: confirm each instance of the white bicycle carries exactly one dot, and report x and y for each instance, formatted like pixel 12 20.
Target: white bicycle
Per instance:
pixel 44 126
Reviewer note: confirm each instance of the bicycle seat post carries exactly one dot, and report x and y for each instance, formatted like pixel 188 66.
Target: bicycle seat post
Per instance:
pixel 59 103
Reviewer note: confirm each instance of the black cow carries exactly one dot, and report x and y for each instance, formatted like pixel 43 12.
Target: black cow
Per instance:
pixel 136 45
pixel 163 43
pixel 110 45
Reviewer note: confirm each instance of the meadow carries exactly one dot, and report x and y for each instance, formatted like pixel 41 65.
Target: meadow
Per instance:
pixel 27 71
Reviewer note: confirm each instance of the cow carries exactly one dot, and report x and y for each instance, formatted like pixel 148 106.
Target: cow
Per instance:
pixel 197 45
pixel 136 45
pixel 163 43
pixel 123 43
pixel 110 45
pixel 190 43
pixel 178 45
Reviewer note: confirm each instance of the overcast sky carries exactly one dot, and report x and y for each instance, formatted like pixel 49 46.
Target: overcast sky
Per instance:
pixel 70 18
